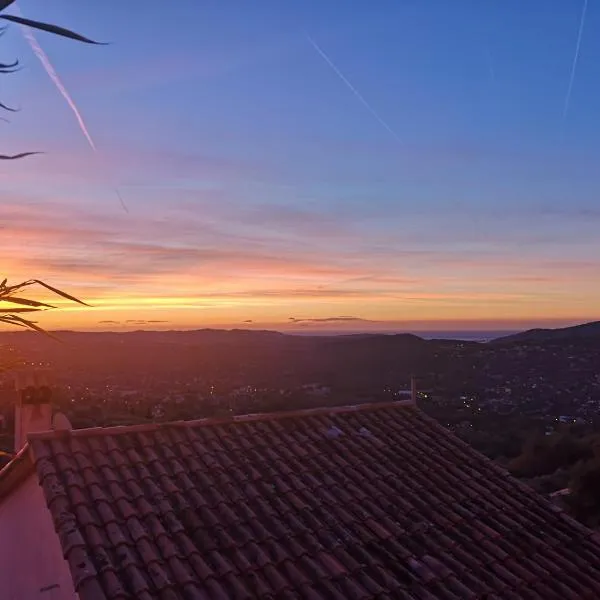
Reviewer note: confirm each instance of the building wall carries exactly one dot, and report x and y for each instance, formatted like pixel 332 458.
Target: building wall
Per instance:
pixel 31 562
pixel 31 418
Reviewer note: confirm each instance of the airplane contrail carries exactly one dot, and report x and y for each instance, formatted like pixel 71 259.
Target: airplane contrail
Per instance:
pixel 358 95
pixel 43 58
pixel 51 71
pixel 575 59
pixel 491 70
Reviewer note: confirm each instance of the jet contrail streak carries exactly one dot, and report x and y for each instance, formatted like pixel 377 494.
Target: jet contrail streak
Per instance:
pixel 575 59
pixel 352 88
pixel 48 67
pixel 491 70
pixel 43 58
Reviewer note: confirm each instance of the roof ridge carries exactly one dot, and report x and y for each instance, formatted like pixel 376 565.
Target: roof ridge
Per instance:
pixel 214 421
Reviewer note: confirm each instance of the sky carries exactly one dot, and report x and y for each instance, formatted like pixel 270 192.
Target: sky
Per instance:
pixel 320 164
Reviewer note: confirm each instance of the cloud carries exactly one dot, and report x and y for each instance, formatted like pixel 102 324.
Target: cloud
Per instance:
pixel 216 263
pixel 144 321
pixel 343 319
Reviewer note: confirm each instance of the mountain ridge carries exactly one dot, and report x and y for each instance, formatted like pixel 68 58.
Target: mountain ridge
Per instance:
pixel 539 335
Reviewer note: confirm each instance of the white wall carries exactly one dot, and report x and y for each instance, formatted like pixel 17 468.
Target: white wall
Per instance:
pixel 30 554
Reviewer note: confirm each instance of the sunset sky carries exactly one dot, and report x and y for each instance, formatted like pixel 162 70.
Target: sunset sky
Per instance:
pixel 446 190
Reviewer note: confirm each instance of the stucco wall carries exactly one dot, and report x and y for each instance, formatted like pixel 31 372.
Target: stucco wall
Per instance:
pixel 31 562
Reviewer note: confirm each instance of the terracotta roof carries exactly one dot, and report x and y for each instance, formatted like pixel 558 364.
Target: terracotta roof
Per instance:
pixel 356 503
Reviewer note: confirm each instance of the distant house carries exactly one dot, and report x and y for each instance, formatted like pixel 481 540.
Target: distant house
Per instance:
pixel 353 503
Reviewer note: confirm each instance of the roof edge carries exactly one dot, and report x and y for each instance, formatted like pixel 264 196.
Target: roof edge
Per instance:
pixel 16 471
pixel 213 421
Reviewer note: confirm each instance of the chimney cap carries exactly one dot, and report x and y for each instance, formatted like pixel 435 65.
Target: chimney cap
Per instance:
pixel 60 422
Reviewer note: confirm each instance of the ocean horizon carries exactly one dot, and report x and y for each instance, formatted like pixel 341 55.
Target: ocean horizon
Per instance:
pixel 465 336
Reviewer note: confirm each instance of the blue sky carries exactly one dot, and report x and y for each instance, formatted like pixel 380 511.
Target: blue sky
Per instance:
pixel 251 169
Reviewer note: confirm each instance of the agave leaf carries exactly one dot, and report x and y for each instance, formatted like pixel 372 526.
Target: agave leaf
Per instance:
pixel 5 4
pixel 55 29
pixel 17 156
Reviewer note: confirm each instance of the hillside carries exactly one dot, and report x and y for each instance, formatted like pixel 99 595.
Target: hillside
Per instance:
pixel 585 331
pixel 238 356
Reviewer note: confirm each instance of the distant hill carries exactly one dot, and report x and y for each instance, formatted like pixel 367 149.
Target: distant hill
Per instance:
pixel 238 356
pixel 585 331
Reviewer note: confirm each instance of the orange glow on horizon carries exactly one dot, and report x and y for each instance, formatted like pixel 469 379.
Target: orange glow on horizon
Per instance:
pixel 158 273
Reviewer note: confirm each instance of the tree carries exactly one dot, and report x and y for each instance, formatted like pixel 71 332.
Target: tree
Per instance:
pixel 584 499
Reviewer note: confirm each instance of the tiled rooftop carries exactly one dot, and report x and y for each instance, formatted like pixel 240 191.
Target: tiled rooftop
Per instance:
pixel 349 504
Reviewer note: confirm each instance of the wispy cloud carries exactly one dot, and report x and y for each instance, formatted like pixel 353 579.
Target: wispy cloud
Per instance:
pixel 219 265
pixel 343 319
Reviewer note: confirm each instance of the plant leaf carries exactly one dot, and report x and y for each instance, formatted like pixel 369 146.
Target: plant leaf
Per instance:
pixel 25 302
pixel 5 4
pixel 17 156
pixel 8 108
pixel 9 320
pixel 27 323
pixel 55 29
pixel 59 292
pixel 10 67
pixel 18 310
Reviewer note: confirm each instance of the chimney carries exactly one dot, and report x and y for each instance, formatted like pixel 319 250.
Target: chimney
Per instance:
pixel 413 389
pixel 33 408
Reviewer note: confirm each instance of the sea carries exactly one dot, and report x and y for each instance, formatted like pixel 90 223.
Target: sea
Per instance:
pixel 465 336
